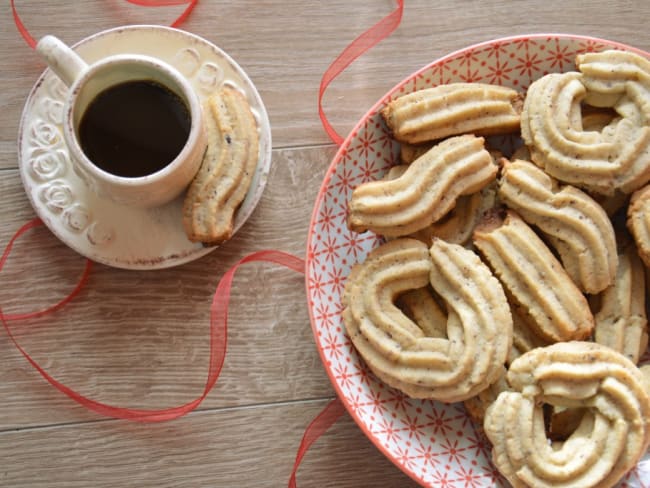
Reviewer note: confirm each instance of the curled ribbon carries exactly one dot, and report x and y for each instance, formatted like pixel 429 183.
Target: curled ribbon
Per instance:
pixel 218 334
pixel 5 255
pixel 360 45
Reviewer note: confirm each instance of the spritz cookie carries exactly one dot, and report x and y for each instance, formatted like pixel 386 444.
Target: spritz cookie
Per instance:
pixel 226 171
pixel 577 227
pixel 613 77
pixel 425 192
pixel 453 109
pixel 534 279
pixel 618 156
pixel 478 336
pixel 621 321
pixel 458 224
pixel 612 435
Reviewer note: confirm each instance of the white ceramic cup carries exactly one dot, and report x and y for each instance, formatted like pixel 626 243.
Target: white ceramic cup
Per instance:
pixel 85 82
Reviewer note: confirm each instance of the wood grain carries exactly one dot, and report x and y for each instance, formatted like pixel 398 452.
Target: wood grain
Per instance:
pixel 139 339
pixel 216 448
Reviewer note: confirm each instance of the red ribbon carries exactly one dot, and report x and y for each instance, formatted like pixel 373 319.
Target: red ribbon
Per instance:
pixel 21 27
pixel 360 45
pixel 159 3
pixel 323 421
pixel 82 280
pixel 218 334
pixel 144 3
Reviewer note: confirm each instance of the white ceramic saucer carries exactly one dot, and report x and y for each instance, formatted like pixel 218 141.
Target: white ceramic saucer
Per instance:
pixel 98 228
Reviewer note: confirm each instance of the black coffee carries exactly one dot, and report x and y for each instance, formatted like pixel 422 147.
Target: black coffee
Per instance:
pixel 134 129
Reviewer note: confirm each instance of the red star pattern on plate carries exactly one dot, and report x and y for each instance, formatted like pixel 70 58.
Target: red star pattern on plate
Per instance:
pixel 434 443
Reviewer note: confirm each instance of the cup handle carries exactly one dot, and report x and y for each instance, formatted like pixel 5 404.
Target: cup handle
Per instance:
pixel 67 64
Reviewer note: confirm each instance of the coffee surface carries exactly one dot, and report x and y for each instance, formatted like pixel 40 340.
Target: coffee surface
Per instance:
pixel 134 128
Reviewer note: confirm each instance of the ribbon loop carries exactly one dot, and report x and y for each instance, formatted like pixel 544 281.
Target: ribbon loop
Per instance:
pixel 360 45
pixel 218 334
pixel 52 308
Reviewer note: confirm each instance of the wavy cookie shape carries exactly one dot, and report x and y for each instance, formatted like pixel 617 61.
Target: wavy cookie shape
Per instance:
pixel 611 437
pixel 621 322
pixel 638 222
pixel 534 279
pixel 478 327
pixel 573 222
pixel 226 171
pixel 425 192
pixel 618 156
pixel 453 109
pixel 456 226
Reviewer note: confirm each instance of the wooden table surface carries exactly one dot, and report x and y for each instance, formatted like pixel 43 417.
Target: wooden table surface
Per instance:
pixel 139 339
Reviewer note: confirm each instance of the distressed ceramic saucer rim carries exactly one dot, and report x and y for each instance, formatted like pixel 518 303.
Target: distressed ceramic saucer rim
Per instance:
pixel 93 226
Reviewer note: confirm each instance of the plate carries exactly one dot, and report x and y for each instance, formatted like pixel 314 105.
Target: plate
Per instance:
pixel 434 443
pixel 98 228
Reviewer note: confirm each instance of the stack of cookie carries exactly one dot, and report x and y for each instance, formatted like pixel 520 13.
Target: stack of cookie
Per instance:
pixel 518 285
